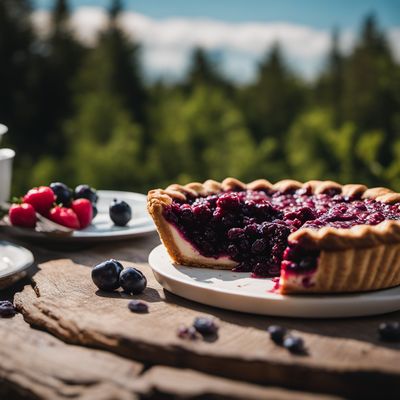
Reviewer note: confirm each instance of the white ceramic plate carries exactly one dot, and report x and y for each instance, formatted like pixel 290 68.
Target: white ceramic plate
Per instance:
pixel 14 261
pixel 239 292
pixel 102 228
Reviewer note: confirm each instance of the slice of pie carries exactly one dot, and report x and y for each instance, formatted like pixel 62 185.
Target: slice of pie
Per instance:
pixel 317 237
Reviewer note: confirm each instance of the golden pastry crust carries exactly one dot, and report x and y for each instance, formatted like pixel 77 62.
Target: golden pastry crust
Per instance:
pixel 349 270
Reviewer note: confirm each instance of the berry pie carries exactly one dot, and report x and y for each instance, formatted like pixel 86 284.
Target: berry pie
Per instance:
pixel 314 237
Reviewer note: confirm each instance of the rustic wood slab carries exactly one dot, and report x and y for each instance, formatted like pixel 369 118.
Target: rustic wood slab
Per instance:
pixel 185 383
pixel 344 357
pixel 36 365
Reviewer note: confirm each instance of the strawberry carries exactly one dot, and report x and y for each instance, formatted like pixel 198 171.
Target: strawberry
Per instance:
pixel 22 215
pixel 64 216
pixel 41 198
pixel 84 210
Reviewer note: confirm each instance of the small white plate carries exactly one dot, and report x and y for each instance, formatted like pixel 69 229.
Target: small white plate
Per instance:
pixel 239 292
pixel 102 228
pixel 14 261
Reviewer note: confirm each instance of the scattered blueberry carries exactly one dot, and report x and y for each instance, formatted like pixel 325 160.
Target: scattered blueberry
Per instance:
pixel 86 192
pixel 120 212
pixel 185 332
pixel 277 333
pixel 132 281
pixel 106 275
pixel 138 306
pixel 389 331
pixel 294 344
pixel 63 193
pixel 205 325
pixel 7 309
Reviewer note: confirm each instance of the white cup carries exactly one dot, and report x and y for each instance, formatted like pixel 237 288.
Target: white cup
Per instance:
pixel 6 160
pixel 3 130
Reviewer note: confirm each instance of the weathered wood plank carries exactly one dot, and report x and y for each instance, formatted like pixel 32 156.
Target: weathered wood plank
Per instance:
pixel 36 365
pixel 188 384
pixel 67 304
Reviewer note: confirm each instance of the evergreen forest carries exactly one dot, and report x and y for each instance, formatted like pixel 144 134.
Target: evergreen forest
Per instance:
pixel 80 114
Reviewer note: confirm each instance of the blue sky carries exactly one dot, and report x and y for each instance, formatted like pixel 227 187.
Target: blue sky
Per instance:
pixel 237 32
pixel 315 13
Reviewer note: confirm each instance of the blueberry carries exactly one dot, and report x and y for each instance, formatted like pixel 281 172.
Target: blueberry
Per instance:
pixel 86 192
pixel 277 333
pixel 205 325
pixel 106 275
pixel 138 306
pixel 232 250
pixel 258 246
pixel 185 332
pixel 63 193
pixel 132 281
pixel 235 233
pixel 294 344
pixel 389 331
pixel 120 212
pixel 7 309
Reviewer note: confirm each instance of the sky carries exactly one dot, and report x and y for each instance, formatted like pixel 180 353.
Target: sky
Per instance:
pixel 237 33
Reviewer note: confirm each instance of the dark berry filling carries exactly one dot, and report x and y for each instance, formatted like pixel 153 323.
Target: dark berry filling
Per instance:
pixel 252 227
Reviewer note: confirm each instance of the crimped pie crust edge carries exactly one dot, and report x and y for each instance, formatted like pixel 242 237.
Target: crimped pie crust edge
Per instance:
pixel 327 238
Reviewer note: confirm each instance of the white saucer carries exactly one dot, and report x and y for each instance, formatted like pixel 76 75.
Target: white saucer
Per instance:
pixel 14 261
pixel 102 228
pixel 239 292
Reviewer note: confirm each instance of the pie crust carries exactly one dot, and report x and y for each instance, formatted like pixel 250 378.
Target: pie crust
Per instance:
pixel 360 258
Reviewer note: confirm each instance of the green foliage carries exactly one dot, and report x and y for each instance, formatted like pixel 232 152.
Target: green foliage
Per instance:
pixel 104 144
pixel 84 115
pixel 200 136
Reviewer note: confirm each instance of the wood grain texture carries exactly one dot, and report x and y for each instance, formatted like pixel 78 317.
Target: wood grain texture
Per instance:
pixel 36 365
pixel 185 383
pixel 344 358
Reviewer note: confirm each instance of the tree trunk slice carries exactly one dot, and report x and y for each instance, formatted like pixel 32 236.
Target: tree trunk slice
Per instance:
pixel 65 302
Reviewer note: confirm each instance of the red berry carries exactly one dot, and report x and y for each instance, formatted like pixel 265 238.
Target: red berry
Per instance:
pixel 84 210
pixel 41 198
pixel 64 216
pixel 22 215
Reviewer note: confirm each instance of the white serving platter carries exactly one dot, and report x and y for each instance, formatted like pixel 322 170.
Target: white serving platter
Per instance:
pixel 239 292
pixel 101 228
pixel 14 262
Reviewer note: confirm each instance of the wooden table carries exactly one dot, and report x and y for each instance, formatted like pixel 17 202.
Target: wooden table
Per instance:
pixel 71 341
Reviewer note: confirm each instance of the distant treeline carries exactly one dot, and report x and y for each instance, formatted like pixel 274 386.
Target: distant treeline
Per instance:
pixel 86 115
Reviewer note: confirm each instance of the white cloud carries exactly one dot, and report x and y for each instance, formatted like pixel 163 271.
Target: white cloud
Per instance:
pixel 167 43
pixel 394 39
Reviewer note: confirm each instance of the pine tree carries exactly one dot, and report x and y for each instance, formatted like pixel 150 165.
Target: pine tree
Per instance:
pixel 205 72
pixel 16 41
pixel 372 88
pixel 105 134
pixel 274 100
pixel 125 75
pixel 329 87
pixel 63 56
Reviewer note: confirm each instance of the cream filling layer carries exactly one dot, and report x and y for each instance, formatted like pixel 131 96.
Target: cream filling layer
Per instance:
pixel 187 249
